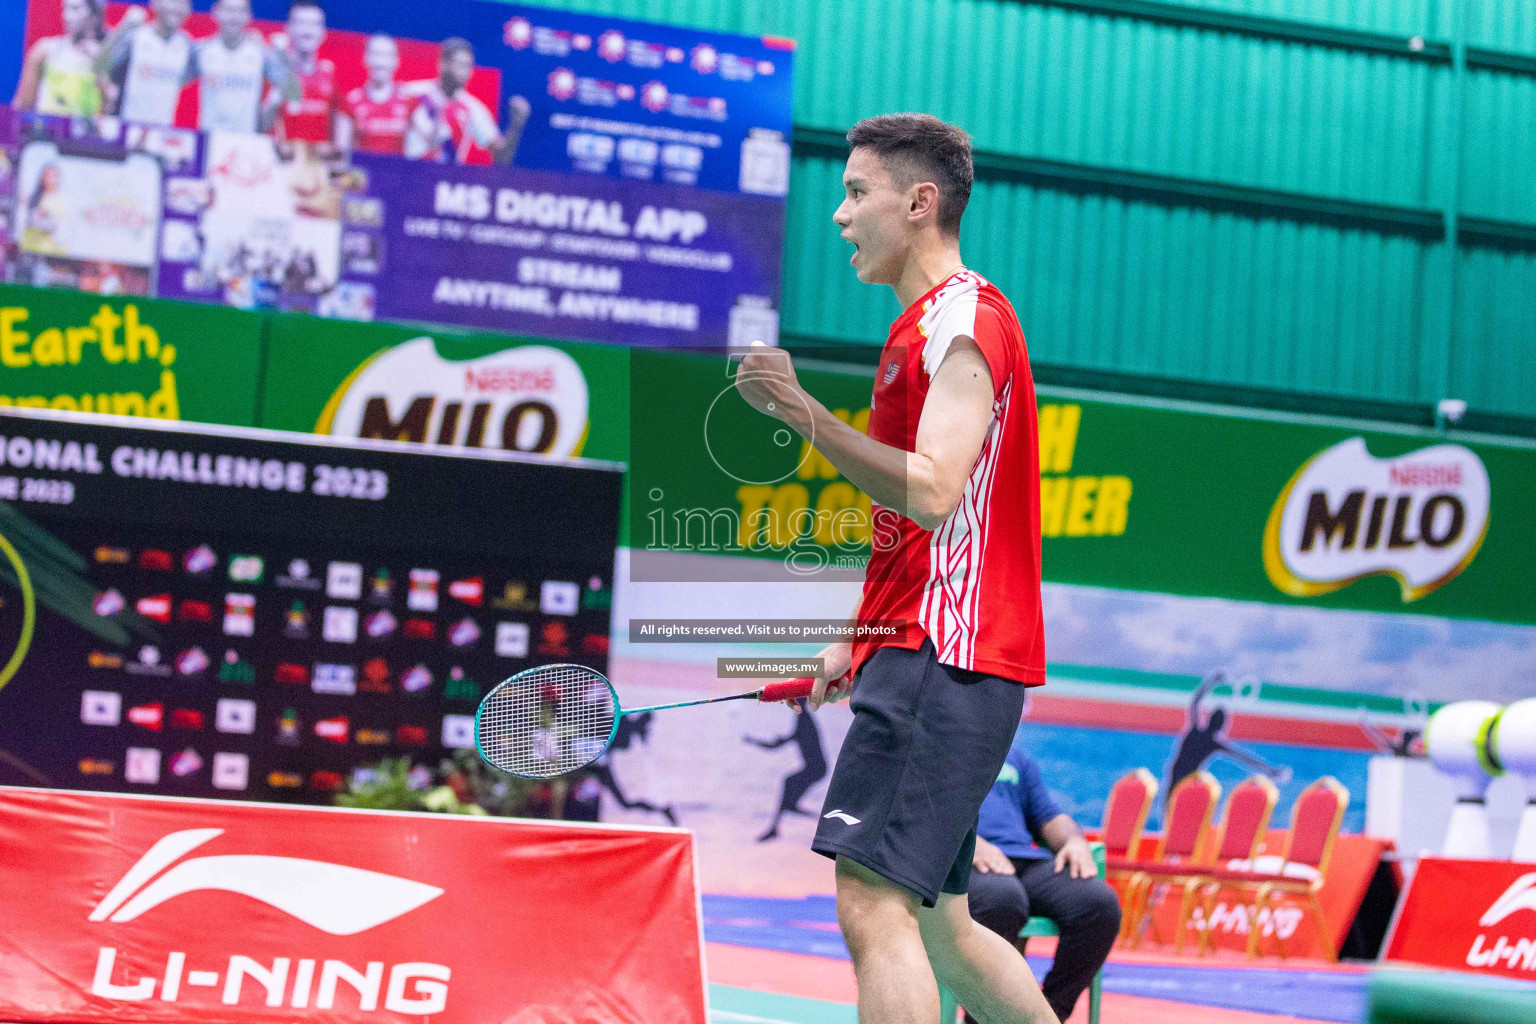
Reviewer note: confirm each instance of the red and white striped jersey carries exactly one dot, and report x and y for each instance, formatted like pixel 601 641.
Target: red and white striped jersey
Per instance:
pixel 380 120
pixel 972 585
pixel 308 119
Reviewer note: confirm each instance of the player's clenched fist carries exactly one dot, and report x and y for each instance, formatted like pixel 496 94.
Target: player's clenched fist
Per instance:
pixel 766 379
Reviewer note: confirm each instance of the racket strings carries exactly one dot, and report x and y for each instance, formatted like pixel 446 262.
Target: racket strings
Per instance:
pixel 547 721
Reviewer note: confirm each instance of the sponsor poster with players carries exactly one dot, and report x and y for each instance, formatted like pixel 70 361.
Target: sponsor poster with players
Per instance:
pixel 478 163
pixel 212 612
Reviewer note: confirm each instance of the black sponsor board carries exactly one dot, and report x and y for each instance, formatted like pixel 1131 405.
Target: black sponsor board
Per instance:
pixel 258 615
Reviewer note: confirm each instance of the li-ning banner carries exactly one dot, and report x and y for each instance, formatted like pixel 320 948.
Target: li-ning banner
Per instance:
pixel 475 163
pixel 1489 928
pixel 337 916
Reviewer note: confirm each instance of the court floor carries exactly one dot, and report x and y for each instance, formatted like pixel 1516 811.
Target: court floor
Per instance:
pixel 731 1005
pixel 754 979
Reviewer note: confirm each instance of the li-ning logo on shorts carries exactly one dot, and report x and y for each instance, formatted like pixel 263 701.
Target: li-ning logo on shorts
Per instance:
pixel 1346 514
pixel 842 816
pixel 334 898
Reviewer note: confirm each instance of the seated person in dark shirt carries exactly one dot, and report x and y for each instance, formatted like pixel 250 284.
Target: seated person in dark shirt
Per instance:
pixel 1013 878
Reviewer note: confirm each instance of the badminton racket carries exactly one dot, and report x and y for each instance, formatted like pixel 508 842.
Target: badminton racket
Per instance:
pixel 553 719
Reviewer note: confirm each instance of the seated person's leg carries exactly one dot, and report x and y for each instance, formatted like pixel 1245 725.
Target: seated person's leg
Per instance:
pixel 1088 913
pixel 999 904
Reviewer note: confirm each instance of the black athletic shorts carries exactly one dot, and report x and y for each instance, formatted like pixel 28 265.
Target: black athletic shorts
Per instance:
pixel 926 744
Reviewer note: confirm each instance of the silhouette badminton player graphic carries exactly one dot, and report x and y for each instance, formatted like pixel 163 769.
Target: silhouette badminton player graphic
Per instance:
pixel 807 737
pixel 602 768
pixel 1202 740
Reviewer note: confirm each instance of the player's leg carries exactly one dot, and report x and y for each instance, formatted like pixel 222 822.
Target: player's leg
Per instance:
pixel 773 828
pixel 879 920
pixel 983 970
pixel 796 786
pixel 925 745
pixel 885 864
pixel 1000 905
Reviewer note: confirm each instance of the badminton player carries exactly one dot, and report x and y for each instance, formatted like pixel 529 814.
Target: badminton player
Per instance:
pixel 951 462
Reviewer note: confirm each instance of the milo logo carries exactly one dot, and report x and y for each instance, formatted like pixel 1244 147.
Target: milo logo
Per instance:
pixel 1418 517
pixel 529 399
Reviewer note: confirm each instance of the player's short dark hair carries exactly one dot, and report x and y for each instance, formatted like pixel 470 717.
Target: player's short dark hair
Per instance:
pixel 453 44
pixel 920 147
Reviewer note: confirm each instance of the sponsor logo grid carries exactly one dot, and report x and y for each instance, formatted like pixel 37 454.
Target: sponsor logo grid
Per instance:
pixel 277 674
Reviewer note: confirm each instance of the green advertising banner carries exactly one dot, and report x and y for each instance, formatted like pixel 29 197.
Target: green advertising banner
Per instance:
pixel 710 475
pixel 1167 497
pixel 128 356
pixel 1186 499
pixel 401 383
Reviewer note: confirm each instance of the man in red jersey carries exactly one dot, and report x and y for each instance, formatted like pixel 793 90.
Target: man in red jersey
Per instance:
pixel 310 118
pixel 448 121
pixel 951 461
pixel 377 113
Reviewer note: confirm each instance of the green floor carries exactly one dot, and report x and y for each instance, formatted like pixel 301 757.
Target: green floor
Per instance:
pixel 729 1005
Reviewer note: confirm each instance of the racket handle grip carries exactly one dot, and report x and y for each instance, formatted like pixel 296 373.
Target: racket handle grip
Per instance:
pixel 787 689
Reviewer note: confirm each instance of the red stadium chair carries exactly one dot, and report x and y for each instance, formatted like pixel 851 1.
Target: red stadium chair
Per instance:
pixel 1125 815
pixel 1125 812
pixel 1190 808
pixel 1315 820
pixel 1249 807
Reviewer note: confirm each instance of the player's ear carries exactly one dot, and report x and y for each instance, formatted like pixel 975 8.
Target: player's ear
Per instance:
pixel 922 200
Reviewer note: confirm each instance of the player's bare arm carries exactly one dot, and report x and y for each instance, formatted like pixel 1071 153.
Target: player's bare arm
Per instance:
pixel 31 76
pixel 505 146
pixel 112 59
pixel 924 485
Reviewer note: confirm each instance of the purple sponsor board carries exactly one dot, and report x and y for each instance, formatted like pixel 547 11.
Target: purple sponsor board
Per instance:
pixel 549 254
pixel 235 219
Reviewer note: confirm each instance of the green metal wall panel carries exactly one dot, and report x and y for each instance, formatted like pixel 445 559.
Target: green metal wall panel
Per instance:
pixel 1504 24
pixel 1402 17
pixel 1047 81
pixel 1129 287
pixel 1500 147
pixel 1300 102
pixel 1494 363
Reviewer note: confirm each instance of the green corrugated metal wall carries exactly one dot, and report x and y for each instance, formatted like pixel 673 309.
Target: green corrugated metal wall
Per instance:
pixel 1293 165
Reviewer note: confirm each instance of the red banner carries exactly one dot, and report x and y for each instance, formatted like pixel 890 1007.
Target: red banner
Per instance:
pixel 129 909
pixel 1477 915
pixel 1349 873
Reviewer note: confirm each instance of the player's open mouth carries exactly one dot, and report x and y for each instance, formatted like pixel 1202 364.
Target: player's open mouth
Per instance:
pixel 854 259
